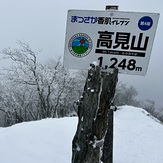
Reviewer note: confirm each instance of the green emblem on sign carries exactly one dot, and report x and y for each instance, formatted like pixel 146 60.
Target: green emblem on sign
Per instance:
pixel 80 45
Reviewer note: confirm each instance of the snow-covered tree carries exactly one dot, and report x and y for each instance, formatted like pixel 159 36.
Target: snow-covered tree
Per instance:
pixel 126 95
pixel 33 90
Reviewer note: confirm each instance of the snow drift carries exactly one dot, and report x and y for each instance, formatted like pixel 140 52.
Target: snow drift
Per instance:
pixel 137 139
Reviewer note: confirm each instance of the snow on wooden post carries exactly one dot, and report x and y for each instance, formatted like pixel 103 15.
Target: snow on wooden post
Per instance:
pixel 92 142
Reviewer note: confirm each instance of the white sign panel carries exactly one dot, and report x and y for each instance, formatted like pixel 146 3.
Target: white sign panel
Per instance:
pixel 111 38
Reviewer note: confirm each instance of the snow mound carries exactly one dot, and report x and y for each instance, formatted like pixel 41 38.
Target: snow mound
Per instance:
pixel 45 141
pixel 137 139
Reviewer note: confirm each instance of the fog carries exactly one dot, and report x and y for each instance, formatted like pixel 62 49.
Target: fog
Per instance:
pixel 42 24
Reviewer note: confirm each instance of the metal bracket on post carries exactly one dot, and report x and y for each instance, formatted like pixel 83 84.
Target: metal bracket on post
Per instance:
pixel 111 7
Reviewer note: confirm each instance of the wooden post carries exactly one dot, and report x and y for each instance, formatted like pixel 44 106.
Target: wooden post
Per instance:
pixel 93 141
pixel 108 143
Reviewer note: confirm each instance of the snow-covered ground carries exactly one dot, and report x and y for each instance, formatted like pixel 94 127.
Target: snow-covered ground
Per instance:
pixel 138 138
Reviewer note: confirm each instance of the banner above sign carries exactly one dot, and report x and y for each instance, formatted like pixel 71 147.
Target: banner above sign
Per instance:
pixel 110 38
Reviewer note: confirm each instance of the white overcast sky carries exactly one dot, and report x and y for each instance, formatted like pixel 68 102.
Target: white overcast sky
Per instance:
pixel 42 24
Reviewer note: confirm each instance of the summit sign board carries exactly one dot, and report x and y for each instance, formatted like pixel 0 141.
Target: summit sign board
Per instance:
pixel 111 39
